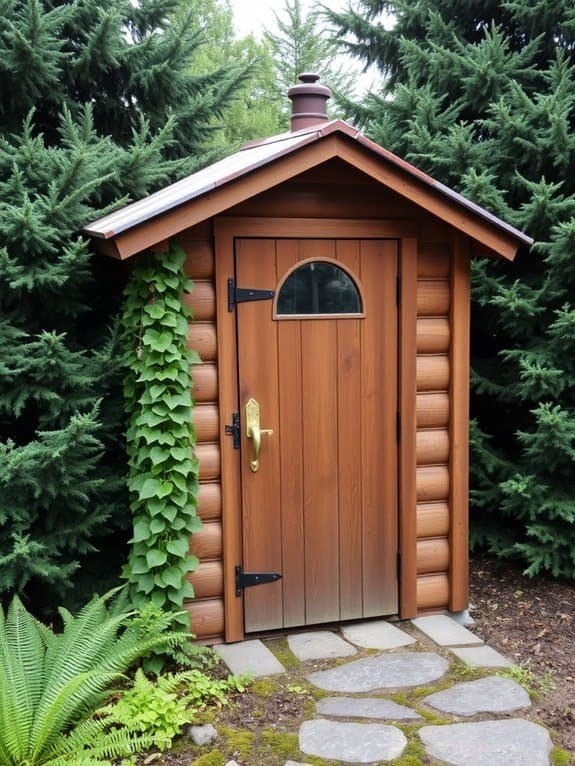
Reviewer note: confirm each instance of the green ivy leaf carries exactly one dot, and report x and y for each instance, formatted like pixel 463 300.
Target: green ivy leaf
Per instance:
pixel 156 557
pixel 187 590
pixel 139 566
pixel 156 505
pixel 157 525
pixel 195 524
pixel 159 455
pixel 151 488
pixel 179 453
pixel 158 598
pixel 141 530
pixel 156 310
pixel 178 547
pixel 173 577
pixel 170 512
pixel 146 583
pixel 165 489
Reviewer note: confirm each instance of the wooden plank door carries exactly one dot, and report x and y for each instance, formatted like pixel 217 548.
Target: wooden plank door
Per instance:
pixel 322 507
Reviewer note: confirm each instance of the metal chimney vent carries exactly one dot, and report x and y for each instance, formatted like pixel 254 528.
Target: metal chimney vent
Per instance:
pixel 309 102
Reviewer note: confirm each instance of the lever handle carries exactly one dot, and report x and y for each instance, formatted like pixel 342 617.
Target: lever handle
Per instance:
pixel 254 432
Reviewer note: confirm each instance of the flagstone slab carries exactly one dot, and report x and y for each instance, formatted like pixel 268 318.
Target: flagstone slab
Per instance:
pixel 513 742
pixel 481 657
pixel 364 707
pixel 249 657
pixel 319 645
pixel 388 671
pixel 377 635
pixel 351 742
pixel 445 631
pixel 487 695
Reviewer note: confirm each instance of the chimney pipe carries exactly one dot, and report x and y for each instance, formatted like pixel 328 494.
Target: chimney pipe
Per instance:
pixel 309 102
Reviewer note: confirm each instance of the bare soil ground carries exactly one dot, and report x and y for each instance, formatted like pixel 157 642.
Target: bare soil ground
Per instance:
pixel 533 623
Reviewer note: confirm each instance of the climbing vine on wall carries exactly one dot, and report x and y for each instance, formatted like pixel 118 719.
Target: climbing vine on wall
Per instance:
pixel 163 472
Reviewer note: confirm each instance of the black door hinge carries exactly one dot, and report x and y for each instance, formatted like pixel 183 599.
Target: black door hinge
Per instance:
pixel 398 291
pixel 398 426
pixel 249 579
pixel 235 429
pixel 245 294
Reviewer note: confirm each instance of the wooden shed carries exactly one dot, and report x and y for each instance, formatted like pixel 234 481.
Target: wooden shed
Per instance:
pixel 331 304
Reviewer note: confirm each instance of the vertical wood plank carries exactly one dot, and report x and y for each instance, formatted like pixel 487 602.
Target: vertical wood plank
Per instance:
pixel 230 477
pixel 349 447
pixel 291 459
pixel 258 379
pixel 459 425
pixel 320 441
pixel 407 459
pixel 379 446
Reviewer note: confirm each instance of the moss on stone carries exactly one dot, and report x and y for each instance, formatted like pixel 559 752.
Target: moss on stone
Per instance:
pixel 239 741
pixel 560 757
pixel 279 647
pixel 279 743
pixel 215 758
pixel 432 719
pixel 413 755
pixel 264 687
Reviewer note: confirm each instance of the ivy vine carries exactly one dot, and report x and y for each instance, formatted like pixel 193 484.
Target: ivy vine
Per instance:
pixel 163 471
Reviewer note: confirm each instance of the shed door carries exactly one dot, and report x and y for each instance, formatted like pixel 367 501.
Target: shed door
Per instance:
pixel 321 362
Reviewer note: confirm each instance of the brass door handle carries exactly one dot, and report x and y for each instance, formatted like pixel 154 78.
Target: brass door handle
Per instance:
pixel 254 432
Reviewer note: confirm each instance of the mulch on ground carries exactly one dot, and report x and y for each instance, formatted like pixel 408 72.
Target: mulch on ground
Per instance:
pixel 531 621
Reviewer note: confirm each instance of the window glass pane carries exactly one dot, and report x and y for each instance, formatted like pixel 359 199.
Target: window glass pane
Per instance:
pixel 319 288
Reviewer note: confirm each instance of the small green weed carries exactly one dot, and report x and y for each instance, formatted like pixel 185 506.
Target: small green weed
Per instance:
pixel 533 684
pixel 161 709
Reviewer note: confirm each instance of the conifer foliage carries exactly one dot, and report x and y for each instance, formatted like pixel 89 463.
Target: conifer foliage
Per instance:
pixel 481 94
pixel 99 103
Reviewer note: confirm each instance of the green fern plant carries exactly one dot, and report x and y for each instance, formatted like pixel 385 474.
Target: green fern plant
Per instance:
pixel 51 684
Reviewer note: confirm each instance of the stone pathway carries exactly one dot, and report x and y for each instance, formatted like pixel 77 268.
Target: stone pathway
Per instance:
pixel 370 732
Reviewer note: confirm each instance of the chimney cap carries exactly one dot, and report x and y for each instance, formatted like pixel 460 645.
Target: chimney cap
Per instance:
pixel 309 101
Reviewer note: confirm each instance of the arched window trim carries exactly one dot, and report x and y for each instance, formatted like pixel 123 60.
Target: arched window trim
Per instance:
pixel 340 265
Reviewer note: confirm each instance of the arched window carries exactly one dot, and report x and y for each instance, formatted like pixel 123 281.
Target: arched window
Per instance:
pixel 318 288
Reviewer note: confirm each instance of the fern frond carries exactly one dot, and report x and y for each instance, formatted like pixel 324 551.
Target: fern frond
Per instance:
pixel 82 693
pixel 22 668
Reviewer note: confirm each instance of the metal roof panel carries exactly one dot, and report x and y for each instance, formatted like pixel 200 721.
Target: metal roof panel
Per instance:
pixel 195 185
pixel 257 154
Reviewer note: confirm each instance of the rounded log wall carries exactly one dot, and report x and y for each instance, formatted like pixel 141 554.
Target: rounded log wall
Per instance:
pixel 433 412
pixel 207 608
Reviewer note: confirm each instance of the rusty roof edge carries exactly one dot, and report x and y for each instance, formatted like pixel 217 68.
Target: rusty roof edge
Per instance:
pixel 322 129
pixel 94 230
pixel 483 213
pixel 168 205
pixel 445 190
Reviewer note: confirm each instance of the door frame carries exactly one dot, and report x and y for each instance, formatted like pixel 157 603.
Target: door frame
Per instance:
pixel 226 230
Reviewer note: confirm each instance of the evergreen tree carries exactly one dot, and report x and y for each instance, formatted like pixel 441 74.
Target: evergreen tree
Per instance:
pixel 98 105
pixel 257 111
pixel 301 43
pixel 481 94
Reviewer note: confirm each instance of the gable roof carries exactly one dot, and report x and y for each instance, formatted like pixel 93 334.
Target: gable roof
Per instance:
pixel 138 225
